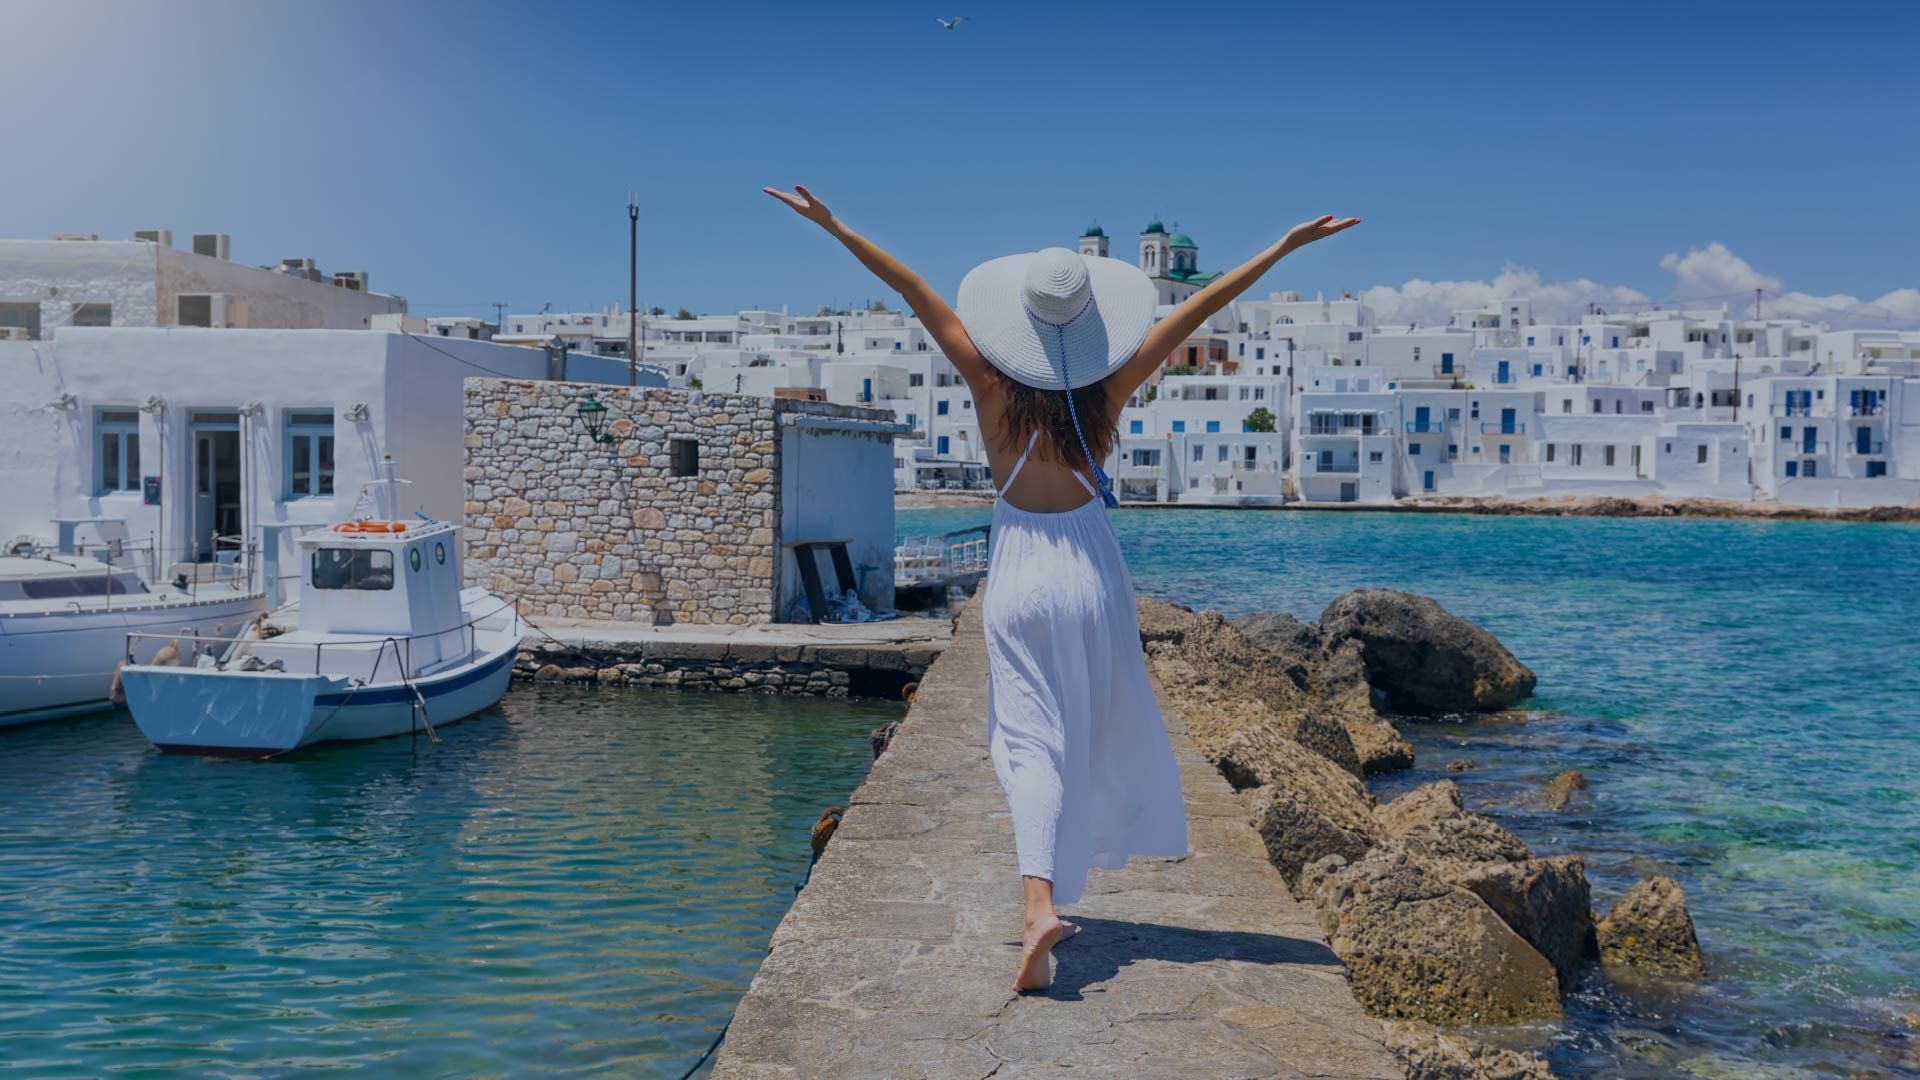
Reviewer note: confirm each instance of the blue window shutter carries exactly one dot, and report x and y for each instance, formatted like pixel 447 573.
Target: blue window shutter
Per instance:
pixel 1135 427
pixel 1213 426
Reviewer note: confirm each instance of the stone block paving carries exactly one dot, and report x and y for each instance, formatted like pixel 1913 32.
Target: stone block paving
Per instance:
pixel 897 960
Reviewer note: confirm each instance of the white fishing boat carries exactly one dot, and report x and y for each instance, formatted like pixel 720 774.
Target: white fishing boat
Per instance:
pixel 384 642
pixel 66 619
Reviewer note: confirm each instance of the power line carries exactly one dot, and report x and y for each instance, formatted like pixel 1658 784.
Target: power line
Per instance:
pixel 462 360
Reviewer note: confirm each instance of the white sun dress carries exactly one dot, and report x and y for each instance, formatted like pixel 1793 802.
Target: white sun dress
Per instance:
pixel 1072 726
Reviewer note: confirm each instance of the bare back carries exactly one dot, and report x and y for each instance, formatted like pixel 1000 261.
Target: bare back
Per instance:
pixel 1045 485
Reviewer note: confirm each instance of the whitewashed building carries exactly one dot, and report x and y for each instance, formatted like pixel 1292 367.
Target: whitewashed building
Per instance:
pixel 196 439
pixel 88 282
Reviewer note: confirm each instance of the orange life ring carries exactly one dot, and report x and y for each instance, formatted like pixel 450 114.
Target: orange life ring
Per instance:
pixel 371 527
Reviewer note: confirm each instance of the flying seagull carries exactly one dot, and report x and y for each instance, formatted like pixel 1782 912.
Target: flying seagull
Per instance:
pixel 950 24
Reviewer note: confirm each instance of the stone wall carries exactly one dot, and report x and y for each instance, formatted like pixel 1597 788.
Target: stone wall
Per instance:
pixel 581 529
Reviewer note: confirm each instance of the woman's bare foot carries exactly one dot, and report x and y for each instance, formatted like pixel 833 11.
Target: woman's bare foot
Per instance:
pixel 1036 953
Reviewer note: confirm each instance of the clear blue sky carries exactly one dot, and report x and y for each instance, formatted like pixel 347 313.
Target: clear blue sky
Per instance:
pixel 470 152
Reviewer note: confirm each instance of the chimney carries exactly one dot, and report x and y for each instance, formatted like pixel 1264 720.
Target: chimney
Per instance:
pixel 212 245
pixel 163 237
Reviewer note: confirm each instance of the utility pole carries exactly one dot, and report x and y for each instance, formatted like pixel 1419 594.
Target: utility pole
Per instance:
pixel 499 314
pixel 1756 305
pixel 633 288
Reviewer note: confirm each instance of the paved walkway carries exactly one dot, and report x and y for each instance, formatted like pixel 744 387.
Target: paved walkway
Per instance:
pixel 896 960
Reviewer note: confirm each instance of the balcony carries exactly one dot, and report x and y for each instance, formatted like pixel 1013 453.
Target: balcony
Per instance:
pixel 1343 429
pixel 1876 409
pixel 1871 449
pixel 1426 427
pixel 1489 428
pixel 1802 448
pixel 1793 410
pixel 1312 467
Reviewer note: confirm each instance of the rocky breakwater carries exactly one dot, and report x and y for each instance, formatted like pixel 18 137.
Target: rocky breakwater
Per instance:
pixel 1444 918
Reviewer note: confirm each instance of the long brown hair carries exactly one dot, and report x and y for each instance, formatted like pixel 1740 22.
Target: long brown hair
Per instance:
pixel 1030 409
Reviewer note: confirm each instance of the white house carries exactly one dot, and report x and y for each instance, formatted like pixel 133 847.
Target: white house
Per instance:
pixel 197 438
pixel 1345 450
pixel 86 282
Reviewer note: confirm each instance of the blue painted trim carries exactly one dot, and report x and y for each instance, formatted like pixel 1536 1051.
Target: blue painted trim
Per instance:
pixel 400 695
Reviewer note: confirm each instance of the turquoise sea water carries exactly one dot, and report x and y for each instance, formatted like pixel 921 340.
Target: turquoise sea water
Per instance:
pixel 1742 695
pixel 577 882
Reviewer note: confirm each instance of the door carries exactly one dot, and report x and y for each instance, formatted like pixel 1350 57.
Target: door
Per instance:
pixel 1428 480
pixel 1349 492
pixel 1863 440
pixel 1503 375
pixel 1422 415
pixel 215 511
pixel 1507 419
pixel 1506 453
pixel 1809 439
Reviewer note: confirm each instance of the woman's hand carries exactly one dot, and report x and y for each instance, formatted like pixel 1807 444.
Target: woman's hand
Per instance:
pixel 1308 231
pixel 804 203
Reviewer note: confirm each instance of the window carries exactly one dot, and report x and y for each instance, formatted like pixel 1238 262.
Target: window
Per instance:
pixel 941 448
pixel 22 315
pixel 365 570
pixel 1700 454
pixel 1812 469
pixel 1213 427
pixel 1223 452
pixel 1876 468
pixel 1575 453
pixel 440 553
pixel 309 448
pixel 1596 404
pixel 1608 453
pixel 1199 452
pixel 1135 427
pixel 1646 406
pixel 1375 456
pixel 916 379
pixel 966 403
pixel 1260 353
pixel 194 310
pixel 68 588
pixel 940 408
pixel 683 457
pixel 1566 405
pixel 1453 451
pixel 116 450
pixel 1413 450
pixel 1179 425
pixel 93 315
pixel 1549 453
pixel 1530 344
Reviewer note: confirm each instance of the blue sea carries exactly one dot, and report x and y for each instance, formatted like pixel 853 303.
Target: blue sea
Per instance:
pixel 1742 695
pixel 577 882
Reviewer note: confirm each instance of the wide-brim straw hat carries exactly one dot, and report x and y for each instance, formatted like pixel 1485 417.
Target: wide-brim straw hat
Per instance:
pixel 1055 319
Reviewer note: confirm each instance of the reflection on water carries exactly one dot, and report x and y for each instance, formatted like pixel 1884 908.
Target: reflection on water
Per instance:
pixel 1741 694
pixel 577 881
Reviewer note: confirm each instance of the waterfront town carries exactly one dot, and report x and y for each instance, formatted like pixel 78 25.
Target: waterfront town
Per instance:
pixel 708 502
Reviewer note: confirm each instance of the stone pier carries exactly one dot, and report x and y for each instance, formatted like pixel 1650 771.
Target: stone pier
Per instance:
pixel 896 961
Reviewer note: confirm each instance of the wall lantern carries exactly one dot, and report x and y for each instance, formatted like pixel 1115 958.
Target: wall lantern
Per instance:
pixel 594 416
pixel 64 403
pixel 358 413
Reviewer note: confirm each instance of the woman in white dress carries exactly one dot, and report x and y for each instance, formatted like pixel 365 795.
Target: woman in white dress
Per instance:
pixel 1052 344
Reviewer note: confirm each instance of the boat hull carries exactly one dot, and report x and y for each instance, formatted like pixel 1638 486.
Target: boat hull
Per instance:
pixel 262 714
pixel 57 664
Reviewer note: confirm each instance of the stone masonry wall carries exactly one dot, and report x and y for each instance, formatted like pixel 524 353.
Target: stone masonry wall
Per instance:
pixel 586 530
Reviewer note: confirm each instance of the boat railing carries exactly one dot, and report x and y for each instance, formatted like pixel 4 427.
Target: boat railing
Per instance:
pixel 237 649
pixel 963 551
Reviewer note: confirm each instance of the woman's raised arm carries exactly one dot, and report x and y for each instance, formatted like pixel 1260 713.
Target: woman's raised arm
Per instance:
pixel 932 311
pixel 1169 332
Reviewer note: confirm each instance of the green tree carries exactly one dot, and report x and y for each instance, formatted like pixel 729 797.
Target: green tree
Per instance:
pixel 694 383
pixel 1153 391
pixel 1259 420
pixel 683 313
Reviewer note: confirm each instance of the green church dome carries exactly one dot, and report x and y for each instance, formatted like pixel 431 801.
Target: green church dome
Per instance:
pixel 1182 240
pixel 1153 227
pixel 1094 230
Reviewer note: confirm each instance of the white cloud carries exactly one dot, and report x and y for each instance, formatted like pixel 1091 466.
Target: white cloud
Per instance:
pixel 1701 278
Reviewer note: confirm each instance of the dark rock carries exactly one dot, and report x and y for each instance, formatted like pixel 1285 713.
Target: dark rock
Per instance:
pixel 1418 947
pixel 1423 658
pixel 1429 1054
pixel 1545 901
pixel 1295 645
pixel 1340 682
pixel 1459 765
pixel 550 673
pixel 1650 929
pixel 1303 805
pixel 1562 788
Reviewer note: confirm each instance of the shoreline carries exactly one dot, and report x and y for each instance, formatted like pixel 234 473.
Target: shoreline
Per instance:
pixel 1612 506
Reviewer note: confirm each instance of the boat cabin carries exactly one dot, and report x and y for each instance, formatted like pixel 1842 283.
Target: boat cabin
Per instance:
pixel 366 581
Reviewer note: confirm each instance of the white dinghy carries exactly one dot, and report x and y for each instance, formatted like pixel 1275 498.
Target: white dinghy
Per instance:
pixel 385 643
